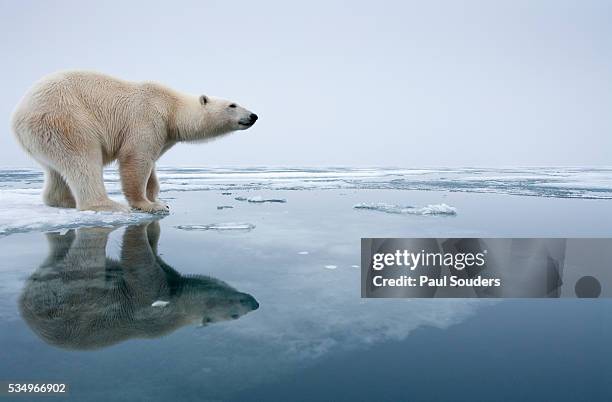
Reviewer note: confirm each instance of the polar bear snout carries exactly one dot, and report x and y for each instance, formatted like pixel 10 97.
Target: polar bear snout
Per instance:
pixel 247 122
pixel 249 302
pixel 229 307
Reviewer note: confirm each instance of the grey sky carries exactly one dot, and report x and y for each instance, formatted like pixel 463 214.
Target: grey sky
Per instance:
pixel 429 83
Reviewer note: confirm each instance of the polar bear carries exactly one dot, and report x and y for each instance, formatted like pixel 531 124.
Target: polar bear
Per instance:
pixel 73 123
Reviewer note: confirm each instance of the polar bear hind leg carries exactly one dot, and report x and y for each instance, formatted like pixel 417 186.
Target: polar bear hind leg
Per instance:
pixel 72 160
pixel 84 176
pixel 56 192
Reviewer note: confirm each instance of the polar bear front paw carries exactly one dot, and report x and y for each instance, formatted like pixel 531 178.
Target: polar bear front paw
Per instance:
pixel 152 207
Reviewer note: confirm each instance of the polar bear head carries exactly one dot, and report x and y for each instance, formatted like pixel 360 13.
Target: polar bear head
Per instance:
pixel 209 117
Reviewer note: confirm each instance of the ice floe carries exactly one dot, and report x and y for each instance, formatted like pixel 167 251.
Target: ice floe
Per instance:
pixel 22 210
pixel 160 303
pixel 331 266
pixel 432 209
pixel 229 226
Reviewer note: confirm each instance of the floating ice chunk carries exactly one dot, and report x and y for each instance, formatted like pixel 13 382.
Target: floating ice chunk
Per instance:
pixel 224 207
pixel 220 226
pixel 303 252
pixel 331 266
pixel 437 209
pixel 431 209
pixel 354 266
pixel 160 303
pixel 259 199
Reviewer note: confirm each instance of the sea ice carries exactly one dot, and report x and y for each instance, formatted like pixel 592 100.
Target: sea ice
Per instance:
pixel 22 210
pixel 259 199
pixel 557 182
pixel 562 182
pixel 431 209
pixel 219 226
pixel 160 303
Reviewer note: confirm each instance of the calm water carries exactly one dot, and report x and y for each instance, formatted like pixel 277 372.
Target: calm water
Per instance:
pixel 274 313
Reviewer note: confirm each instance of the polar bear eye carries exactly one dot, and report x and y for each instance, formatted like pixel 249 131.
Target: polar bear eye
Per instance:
pixel 233 105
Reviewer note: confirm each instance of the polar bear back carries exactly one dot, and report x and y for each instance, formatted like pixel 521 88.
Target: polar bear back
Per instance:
pixel 79 110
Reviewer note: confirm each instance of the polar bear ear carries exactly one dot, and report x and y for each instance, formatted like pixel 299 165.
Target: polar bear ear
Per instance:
pixel 203 100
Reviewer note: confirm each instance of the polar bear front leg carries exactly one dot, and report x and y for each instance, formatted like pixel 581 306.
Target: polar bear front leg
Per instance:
pixel 135 172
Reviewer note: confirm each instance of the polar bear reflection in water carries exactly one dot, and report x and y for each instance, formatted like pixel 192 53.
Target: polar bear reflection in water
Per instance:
pixel 80 299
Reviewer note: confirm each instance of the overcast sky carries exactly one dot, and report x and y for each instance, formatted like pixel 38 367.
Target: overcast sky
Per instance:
pixel 374 83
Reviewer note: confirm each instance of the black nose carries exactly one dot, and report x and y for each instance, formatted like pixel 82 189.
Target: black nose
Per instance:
pixel 250 302
pixel 253 117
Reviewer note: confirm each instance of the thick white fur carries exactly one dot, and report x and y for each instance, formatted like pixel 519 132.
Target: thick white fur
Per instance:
pixel 73 123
